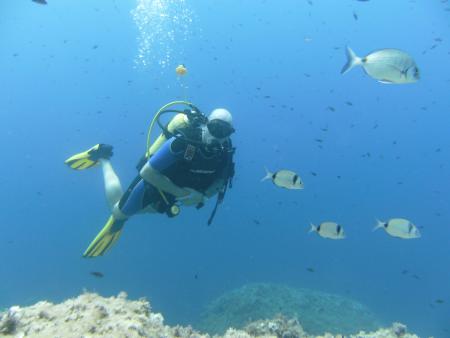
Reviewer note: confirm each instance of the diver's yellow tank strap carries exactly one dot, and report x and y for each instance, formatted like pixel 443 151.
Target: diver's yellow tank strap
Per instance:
pixel 179 121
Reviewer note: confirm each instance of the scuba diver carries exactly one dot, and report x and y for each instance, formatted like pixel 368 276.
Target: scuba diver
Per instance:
pixel 189 162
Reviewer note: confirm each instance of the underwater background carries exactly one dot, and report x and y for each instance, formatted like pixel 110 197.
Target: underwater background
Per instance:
pixel 76 73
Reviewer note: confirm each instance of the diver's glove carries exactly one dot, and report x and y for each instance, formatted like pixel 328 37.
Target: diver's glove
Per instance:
pixel 194 198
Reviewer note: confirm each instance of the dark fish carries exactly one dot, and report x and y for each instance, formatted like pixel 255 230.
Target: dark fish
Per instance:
pixel 313 173
pixel 439 301
pixel 310 269
pixel 355 16
pixel 42 2
pixel 196 276
pixel 97 274
pixel 348 103
pixel 257 222
pixel 331 108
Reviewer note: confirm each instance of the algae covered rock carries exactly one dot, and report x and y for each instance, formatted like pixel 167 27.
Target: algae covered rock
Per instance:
pixel 277 327
pixel 318 312
pixel 89 316
pixel 92 316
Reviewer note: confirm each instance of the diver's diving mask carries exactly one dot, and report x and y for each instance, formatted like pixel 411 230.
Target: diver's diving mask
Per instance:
pixel 219 128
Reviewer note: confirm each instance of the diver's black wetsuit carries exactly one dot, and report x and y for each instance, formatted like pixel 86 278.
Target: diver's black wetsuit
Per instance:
pixel 187 164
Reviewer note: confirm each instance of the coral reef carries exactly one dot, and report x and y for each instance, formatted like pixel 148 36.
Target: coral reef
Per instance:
pixel 318 312
pixel 90 316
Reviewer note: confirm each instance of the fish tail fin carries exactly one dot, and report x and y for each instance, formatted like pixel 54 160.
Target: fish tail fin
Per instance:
pixel 352 61
pixel 312 229
pixel 380 224
pixel 268 175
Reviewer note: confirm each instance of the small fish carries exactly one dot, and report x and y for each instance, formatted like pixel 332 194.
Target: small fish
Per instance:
pixel 42 2
pixel 329 230
pixel 355 16
pixel 310 270
pixel 385 65
pixel 399 227
pixel 284 179
pixel 439 301
pixel 97 274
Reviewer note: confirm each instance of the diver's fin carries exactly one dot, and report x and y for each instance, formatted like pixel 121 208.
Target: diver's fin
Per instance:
pixel 352 61
pixel 268 176
pixel 106 238
pixel 90 157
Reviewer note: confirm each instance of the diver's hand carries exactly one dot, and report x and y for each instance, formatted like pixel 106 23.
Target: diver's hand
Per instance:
pixel 194 198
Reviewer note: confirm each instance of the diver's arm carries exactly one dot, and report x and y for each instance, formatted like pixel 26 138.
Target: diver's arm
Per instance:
pixel 162 182
pixel 215 188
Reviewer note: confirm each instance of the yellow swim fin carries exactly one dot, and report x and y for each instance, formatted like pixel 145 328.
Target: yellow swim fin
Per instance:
pixel 90 157
pixel 105 238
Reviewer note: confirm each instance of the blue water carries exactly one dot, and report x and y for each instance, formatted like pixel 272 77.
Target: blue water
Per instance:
pixel 71 76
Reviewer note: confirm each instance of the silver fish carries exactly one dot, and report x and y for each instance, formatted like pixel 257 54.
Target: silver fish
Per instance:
pixel 399 227
pixel 284 179
pixel 329 230
pixel 385 65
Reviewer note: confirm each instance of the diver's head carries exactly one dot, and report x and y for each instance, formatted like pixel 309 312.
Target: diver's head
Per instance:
pixel 220 123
